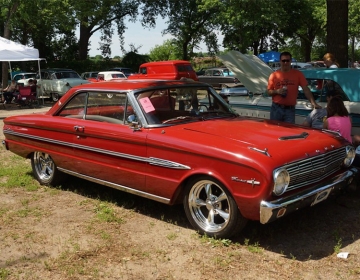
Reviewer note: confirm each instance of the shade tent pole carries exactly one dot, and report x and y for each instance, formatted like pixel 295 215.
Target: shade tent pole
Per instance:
pixel 10 70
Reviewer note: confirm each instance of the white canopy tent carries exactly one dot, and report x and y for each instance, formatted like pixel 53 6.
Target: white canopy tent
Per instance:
pixel 12 51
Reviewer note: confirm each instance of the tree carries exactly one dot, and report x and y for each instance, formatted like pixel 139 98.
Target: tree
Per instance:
pixel 337 30
pixel 311 24
pixel 94 16
pixel 8 10
pixel 167 51
pixel 190 22
pixel 354 26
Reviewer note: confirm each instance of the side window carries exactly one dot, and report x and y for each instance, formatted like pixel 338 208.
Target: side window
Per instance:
pixel 75 108
pixel 45 75
pixel 107 107
pixel 143 70
pixel 98 106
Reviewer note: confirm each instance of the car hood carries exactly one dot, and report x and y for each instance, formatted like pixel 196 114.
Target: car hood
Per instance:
pixel 251 71
pixel 279 139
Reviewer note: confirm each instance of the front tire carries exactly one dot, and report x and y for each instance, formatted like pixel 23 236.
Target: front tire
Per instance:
pixel 211 209
pixel 45 170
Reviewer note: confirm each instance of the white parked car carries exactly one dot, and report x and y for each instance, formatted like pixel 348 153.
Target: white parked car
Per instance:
pixel 110 75
pixel 54 83
pixel 22 79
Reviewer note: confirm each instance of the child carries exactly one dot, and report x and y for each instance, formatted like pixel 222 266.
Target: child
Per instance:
pixel 338 118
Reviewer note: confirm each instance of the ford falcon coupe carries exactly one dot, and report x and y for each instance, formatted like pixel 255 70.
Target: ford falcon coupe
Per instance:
pixel 179 142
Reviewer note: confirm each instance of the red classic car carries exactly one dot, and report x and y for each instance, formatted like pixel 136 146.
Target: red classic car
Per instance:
pixel 180 142
pixel 168 70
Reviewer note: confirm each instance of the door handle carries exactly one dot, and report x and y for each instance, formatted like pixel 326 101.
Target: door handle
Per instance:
pixel 79 128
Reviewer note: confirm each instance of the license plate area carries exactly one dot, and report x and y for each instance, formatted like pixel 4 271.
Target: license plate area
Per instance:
pixel 321 196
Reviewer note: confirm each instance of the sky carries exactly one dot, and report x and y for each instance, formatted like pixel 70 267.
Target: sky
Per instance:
pixel 138 36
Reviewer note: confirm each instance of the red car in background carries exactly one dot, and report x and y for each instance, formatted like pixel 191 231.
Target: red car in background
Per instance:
pixel 167 70
pixel 180 142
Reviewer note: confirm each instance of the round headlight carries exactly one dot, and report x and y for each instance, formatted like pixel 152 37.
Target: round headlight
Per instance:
pixel 350 155
pixel 281 181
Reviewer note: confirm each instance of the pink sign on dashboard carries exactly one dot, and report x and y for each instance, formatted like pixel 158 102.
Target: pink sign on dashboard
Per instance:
pixel 147 105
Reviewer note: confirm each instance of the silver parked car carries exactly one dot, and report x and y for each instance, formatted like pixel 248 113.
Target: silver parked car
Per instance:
pixel 55 82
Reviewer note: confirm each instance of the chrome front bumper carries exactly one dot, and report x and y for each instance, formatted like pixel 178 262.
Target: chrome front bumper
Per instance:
pixel 273 210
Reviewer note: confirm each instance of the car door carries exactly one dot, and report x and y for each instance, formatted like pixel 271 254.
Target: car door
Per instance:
pixel 46 82
pixel 105 147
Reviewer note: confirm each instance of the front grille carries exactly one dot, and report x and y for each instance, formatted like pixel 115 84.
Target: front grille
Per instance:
pixel 315 169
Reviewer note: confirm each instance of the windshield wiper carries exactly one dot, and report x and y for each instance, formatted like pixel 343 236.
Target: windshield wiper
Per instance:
pixel 180 118
pixel 216 115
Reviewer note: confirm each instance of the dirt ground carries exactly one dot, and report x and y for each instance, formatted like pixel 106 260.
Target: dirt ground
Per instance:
pixel 87 231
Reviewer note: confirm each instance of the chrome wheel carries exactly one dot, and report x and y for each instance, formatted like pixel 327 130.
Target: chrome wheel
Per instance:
pixel 211 209
pixel 44 169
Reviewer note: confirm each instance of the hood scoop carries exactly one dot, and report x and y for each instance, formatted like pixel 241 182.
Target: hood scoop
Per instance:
pixel 303 135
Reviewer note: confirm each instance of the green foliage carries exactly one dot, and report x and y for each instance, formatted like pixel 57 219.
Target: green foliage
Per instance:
pixel 169 50
pixel 191 22
pixel 247 25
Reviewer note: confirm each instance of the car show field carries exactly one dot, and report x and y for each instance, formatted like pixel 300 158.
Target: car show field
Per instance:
pixel 83 230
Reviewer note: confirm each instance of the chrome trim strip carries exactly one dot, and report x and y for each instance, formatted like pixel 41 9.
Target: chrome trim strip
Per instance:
pixel 117 186
pixel 270 209
pixel 265 151
pixel 151 160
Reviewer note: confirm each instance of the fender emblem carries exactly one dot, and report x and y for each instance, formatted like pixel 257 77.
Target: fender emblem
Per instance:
pixel 251 181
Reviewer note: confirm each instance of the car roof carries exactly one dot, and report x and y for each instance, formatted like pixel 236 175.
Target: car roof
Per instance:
pixel 110 72
pixel 167 62
pixel 126 84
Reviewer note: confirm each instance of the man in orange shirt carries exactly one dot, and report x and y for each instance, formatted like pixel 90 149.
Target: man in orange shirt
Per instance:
pixel 283 88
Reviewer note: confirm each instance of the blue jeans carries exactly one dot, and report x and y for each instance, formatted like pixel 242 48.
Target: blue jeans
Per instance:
pixel 278 113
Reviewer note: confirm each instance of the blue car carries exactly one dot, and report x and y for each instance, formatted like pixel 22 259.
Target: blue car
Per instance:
pixel 257 104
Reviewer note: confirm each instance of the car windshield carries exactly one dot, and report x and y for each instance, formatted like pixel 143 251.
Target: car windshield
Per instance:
pixel 66 75
pixel 24 76
pixel 182 104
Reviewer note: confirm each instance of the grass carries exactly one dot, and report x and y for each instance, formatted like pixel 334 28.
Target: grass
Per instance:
pixel 16 172
pixel 102 238
pixel 105 213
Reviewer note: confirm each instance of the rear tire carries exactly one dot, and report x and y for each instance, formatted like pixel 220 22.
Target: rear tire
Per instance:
pixel 211 209
pixel 45 170
pixel 55 97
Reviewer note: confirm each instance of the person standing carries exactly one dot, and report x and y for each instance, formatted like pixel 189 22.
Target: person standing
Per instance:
pixel 338 118
pixel 283 87
pixel 330 61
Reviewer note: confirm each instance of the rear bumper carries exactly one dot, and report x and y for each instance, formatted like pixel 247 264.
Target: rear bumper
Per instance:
pixel 273 210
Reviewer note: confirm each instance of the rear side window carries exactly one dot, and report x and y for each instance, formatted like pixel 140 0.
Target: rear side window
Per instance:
pixel 184 68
